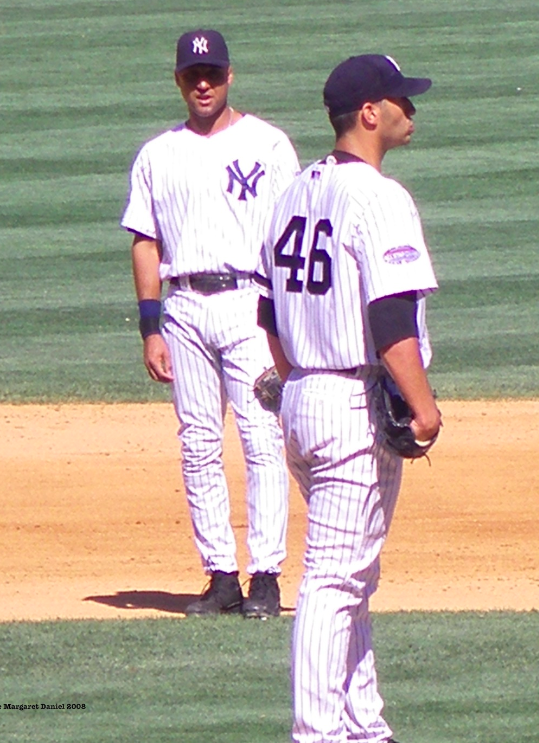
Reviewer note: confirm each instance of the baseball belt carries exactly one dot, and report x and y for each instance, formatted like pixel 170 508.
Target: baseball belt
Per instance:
pixel 365 373
pixel 358 372
pixel 211 283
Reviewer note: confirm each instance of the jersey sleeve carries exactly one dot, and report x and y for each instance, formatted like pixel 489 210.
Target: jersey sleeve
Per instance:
pixel 286 165
pixel 392 253
pixel 139 212
pixel 263 273
pixel 285 168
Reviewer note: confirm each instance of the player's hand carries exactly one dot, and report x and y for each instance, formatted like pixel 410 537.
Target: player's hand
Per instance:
pixel 157 359
pixel 427 426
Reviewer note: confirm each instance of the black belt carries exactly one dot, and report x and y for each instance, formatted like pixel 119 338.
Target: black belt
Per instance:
pixel 209 283
pixel 352 371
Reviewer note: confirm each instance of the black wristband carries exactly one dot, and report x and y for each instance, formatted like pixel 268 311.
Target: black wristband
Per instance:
pixel 150 312
pixel 149 326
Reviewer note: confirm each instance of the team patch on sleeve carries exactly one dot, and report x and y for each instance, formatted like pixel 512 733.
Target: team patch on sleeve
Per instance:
pixel 402 254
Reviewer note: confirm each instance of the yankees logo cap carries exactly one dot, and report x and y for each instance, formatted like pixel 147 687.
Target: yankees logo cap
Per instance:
pixel 201 47
pixel 368 78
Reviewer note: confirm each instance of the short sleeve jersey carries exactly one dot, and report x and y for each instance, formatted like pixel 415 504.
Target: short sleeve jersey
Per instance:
pixel 208 199
pixel 342 236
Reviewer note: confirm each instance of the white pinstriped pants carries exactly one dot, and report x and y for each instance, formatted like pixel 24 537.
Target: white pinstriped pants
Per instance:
pixel 217 352
pixel 351 486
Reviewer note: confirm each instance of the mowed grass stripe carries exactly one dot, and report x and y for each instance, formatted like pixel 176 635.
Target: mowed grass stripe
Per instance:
pixel 79 200
pixel 79 368
pixel 61 117
pixel 109 317
pixel 476 292
pixel 46 242
pixel 505 382
pixel 514 350
pixel 87 266
pixel 466 250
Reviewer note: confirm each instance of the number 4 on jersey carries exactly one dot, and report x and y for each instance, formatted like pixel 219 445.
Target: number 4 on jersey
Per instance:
pixel 319 264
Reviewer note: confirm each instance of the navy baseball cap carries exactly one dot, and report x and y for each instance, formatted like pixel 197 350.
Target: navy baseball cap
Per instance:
pixel 201 47
pixel 368 78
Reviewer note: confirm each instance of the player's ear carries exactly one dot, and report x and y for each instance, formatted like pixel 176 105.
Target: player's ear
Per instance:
pixel 230 76
pixel 177 78
pixel 369 113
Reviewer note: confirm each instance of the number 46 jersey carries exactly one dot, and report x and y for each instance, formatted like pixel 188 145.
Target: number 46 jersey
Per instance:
pixel 342 236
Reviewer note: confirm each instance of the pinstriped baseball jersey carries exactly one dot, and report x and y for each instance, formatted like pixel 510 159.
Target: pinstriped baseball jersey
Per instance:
pixel 215 193
pixel 342 236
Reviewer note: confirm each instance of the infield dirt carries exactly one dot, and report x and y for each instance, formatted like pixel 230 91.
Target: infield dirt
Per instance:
pixel 94 521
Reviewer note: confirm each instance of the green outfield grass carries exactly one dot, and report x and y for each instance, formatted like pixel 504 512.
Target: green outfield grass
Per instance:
pixel 465 677
pixel 85 82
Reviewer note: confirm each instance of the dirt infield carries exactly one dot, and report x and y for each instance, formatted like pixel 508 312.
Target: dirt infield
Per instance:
pixel 94 521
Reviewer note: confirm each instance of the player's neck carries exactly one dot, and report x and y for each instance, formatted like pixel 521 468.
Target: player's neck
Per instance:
pixel 364 144
pixel 207 126
pixel 366 148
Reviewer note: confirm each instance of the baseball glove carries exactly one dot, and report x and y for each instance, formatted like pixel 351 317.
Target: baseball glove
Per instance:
pixel 268 389
pixel 393 418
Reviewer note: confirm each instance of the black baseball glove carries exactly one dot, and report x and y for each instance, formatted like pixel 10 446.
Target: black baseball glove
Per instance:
pixel 393 418
pixel 268 389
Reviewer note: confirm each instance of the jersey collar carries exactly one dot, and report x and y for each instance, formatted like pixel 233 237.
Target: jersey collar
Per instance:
pixel 345 157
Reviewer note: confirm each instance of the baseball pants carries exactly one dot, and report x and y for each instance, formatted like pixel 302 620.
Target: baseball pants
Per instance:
pixel 351 486
pixel 217 352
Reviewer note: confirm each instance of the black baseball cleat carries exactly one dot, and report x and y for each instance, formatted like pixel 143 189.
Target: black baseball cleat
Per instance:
pixel 223 596
pixel 264 599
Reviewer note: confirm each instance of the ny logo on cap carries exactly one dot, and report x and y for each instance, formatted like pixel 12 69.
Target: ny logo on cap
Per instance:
pixel 200 45
pixel 247 183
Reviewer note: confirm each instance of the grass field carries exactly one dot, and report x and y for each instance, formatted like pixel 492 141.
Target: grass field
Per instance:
pixel 84 83
pixel 446 677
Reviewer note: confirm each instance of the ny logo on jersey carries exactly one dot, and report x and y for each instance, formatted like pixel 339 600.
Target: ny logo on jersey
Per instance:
pixel 247 183
pixel 200 45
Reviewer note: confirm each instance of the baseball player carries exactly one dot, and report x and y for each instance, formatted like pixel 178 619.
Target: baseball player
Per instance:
pixel 201 195
pixel 344 272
